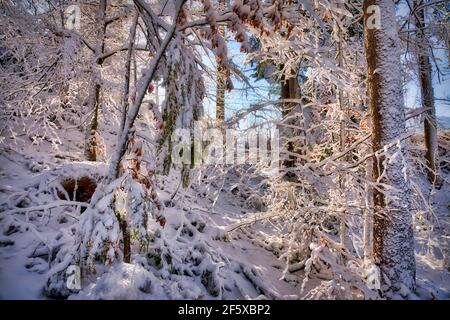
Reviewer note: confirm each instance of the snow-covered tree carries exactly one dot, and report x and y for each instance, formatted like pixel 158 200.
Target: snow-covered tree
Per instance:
pixel 393 233
pixel 133 86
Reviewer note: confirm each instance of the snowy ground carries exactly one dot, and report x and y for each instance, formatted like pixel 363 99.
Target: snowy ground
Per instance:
pixel 23 272
pixel 20 278
pixel 432 251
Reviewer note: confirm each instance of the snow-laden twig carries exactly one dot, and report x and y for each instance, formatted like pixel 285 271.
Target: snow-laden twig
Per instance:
pixel 141 92
pixel 58 203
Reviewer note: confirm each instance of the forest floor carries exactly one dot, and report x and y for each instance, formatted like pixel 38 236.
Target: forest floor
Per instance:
pixel 22 278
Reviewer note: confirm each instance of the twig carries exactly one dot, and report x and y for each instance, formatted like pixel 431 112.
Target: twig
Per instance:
pixel 59 203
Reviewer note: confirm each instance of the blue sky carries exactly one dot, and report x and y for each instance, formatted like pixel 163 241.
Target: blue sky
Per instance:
pixel 441 85
pixel 240 98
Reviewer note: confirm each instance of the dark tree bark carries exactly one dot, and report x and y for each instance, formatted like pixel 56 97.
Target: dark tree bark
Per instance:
pixel 289 90
pixel 427 93
pixel 92 143
pixel 220 95
pixel 221 84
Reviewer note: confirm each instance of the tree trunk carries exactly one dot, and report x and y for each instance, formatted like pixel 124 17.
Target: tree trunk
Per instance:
pixel 220 96
pixel 289 90
pixel 427 94
pixel 342 141
pixel 123 225
pixel 221 84
pixel 393 243
pixel 126 88
pixel 368 211
pixel 92 143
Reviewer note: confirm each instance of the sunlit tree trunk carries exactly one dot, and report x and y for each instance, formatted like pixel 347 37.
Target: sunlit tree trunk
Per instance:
pixel 221 83
pixel 220 96
pixel 393 242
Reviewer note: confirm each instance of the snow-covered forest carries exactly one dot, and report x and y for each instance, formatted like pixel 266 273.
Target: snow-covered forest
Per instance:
pixel 224 149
